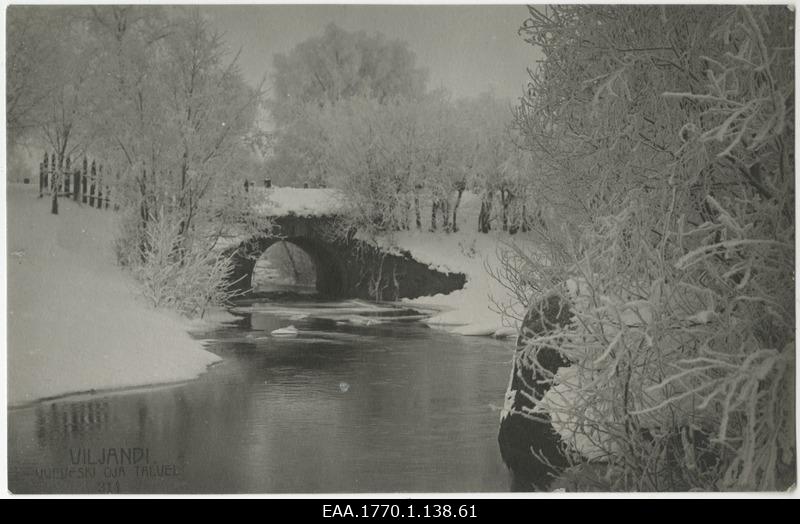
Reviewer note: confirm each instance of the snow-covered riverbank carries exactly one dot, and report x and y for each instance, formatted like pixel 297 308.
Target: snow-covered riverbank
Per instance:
pixel 76 322
pixel 475 309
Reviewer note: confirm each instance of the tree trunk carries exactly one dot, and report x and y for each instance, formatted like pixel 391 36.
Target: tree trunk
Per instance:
pixel 76 185
pixel 67 179
pixel 525 227
pixel 434 208
pixel 53 171
pixel 505 200
pixel 56 183
pixel 44 170
pixel 417 215
pixel 100 188
pixel 485 215
pixel 455 209
pixel 84 186
pixel 144 215
pixel 92 183
pixel 514 220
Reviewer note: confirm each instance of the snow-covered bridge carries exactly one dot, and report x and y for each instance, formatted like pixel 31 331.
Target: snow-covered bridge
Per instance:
pixel 345 266
pixel 305 202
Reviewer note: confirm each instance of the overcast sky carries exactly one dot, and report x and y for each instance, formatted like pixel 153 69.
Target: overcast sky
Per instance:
pixel 467 49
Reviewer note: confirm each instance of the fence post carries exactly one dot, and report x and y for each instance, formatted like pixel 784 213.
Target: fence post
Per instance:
pixel 55 183
pixel 45 165
pixel 57 166
pixel 59 185
pixel 41 179
pixel 100 187
pixel 92 184
pixel 53 187
pixel 84 186
pixel 67 172
pixel 76 184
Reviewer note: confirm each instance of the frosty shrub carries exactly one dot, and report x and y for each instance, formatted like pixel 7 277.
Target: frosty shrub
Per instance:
pixel 185 276
pixel 188 270
pixel 664 137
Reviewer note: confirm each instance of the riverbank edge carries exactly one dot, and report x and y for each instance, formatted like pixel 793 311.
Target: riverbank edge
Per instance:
pixel 217 317
pixel 113 391
pixel 61 270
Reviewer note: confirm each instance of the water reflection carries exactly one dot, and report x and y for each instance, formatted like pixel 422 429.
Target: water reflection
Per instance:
pixel 55 422
pixel 418 414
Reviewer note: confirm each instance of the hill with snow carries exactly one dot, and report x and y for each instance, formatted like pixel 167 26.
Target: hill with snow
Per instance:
pixel 76 321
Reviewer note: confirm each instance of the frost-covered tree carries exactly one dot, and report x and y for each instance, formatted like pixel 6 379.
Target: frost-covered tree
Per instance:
pixel 442 157
pixel 339 64
pixel 663 144
pixel 158 97
pixel 362 158
pixel 396 158
pixel 178 114
pixel 321 72
pixel 497 163
pixel 32 54
pixel 50 91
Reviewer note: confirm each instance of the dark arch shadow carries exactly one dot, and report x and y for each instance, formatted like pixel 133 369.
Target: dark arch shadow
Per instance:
pixel 330 273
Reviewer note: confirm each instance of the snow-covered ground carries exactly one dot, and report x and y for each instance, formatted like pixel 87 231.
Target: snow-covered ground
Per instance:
pixel 475 309
pixel 280 201
pixel 76 322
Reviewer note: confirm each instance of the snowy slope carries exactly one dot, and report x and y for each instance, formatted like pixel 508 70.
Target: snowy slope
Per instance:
pixel 75 320
pixel 473 310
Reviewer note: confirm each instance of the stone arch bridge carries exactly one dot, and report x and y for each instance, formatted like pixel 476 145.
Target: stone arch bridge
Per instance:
pixel 346 267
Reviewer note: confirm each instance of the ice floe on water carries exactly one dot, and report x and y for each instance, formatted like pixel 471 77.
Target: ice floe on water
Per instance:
pixel 309 340
pixel 352 312
pixel 288 331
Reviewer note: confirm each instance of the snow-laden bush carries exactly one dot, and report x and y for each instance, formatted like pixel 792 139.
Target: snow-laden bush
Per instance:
pixel 677 251
pixel 188 269
pixel 175 273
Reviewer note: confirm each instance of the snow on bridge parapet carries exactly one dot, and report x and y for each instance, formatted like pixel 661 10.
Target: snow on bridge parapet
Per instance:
pixel 282 201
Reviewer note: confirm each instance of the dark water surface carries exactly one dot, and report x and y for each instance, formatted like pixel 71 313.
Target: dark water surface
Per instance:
pixel 349 405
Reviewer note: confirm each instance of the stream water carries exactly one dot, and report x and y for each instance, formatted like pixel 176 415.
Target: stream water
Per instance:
pixel 362 399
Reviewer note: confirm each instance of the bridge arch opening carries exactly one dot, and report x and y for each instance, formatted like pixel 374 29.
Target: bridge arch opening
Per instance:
pixel 285 266
pixel 318 264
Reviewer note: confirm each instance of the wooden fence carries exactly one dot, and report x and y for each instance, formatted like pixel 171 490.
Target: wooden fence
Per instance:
pixel 85 184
